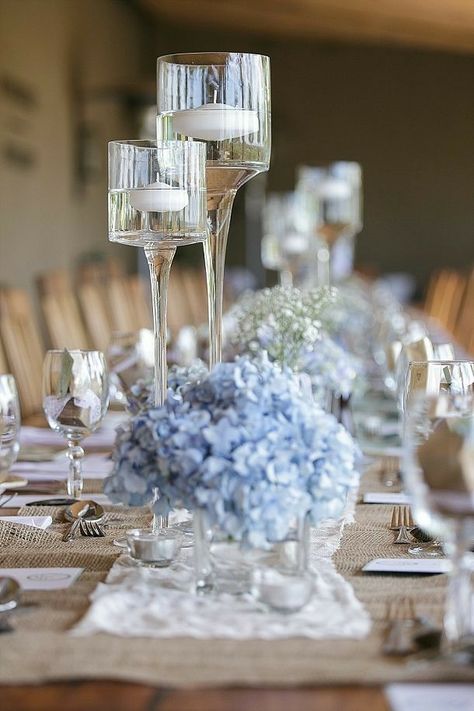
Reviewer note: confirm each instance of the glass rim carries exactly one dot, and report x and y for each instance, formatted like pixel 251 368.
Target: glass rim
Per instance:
pixel 156 145
pixel 167 57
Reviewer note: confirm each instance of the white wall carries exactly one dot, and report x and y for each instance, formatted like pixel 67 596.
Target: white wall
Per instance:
pixel 66 52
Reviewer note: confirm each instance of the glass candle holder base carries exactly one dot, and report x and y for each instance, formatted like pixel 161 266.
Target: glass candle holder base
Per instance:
pixel 153 550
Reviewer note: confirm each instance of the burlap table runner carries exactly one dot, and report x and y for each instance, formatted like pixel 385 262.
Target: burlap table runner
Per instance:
pixel 41 649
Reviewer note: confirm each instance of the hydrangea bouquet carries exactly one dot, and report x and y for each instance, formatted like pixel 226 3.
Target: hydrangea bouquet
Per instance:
pixel 292 327
pixel 243 444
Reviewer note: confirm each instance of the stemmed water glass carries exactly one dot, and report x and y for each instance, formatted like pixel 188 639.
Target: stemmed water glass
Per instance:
pixel 433 379
pixel 438 472
pixel 9 424
pixel 223 100
pixel 75 400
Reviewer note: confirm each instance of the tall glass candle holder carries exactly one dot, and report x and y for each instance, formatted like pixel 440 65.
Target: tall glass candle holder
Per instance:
pixel 157 201
pixel 221 99
pixel 330 204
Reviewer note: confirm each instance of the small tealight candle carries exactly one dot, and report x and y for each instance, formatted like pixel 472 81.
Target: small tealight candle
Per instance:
pixel 156 550
pixel 215 122
pixel 158 197
pixel 282 592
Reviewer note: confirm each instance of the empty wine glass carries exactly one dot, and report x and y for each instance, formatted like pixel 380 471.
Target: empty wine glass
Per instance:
pixel 9 424
pixel 223 100
pixel 75 400
pixel 438 472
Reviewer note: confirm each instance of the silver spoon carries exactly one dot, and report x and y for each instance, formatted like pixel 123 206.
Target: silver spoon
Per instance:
pixel 88 509
pixel 9 594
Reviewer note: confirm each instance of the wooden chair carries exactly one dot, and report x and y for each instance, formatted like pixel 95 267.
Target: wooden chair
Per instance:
pixel 464 327
pixel 96 313
pixel 444 297
pixel 61 312
pixel 23 347
pixel 121 306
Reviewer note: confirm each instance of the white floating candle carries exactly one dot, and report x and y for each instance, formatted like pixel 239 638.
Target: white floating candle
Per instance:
pixel 158 197
pixel 334 189
pixel 215 122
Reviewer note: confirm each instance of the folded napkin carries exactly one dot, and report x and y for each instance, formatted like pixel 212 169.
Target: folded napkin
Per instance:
pixel 103 438
pixel 94 466
pixel 34 521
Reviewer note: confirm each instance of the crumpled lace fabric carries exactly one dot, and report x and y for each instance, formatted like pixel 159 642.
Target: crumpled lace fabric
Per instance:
pixel 161 603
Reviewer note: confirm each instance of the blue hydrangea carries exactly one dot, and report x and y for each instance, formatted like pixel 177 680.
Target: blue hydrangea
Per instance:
pixel 243 443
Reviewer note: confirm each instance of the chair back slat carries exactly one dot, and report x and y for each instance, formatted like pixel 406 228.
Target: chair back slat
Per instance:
pixel 61 311
pixel 96 314
pixel 23 347
pixel 464 328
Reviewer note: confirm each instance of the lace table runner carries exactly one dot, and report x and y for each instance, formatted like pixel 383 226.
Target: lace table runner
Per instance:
pixel 140 602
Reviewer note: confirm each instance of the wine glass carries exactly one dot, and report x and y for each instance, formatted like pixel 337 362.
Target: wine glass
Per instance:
pixel 75 400
pixel 9 424
pixel 157 201
pixel 223 100
pixel 430 379
pixel 342 257
pixel 438 471
pixel 330 208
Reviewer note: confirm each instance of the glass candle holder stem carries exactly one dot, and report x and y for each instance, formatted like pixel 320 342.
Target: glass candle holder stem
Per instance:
pixel 219 215
pixel 159 263
pixel 75 454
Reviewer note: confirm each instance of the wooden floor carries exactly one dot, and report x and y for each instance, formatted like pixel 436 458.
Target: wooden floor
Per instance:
pixel 102 696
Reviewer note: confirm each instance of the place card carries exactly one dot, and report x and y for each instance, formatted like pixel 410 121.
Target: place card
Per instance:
pixel 34 521
pixel 430 697
pixel 43 578
pixel 389 497
pixel 418 566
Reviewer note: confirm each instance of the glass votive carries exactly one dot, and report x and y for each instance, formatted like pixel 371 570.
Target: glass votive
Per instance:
pixel 155 550
pixel 281 591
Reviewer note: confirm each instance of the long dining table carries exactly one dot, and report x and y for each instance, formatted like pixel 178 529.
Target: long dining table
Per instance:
pixel 43 667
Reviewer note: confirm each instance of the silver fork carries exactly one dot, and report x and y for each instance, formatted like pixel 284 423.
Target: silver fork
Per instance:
pixel 402 522
pixel 91 528
pixel 401 623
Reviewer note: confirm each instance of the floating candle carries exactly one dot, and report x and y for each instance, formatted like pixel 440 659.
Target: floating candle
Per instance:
pixel 158 197
pixel 215 122
pixel 333 189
